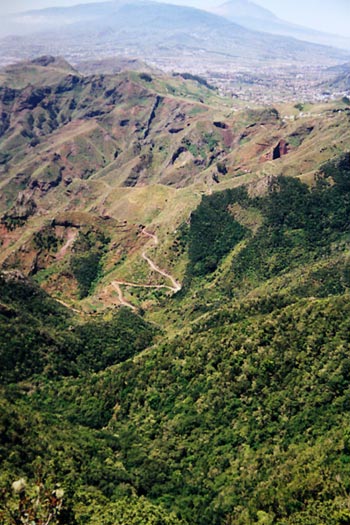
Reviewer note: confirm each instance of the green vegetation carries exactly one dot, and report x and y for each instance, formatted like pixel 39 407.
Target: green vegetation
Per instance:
pixel 106 342
pixel 146 77
pixel 294 141
pixel 213 232
pixel 300 225
pixel 85 269
pixel 239 418
pixel 236 413
pixel 243 415
pixel 133 511
pixel 46 239
pixel 39 336
pixel 86 263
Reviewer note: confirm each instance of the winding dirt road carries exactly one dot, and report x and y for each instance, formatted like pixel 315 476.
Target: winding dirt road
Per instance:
pixel 175 286
pixel 151 235
pixel 68 305
pixel 116 286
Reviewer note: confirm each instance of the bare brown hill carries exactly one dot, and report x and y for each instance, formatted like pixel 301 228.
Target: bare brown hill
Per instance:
pixel 130 151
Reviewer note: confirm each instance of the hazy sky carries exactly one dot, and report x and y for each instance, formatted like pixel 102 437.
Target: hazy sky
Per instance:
pixel 326 15
pixel 331 16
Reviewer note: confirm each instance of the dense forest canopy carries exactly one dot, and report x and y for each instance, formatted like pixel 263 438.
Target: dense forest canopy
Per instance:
pixel 239 417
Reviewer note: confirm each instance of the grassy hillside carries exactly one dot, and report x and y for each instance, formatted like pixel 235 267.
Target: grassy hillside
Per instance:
pixel 236 414
pixel 129 153
pixel 174 304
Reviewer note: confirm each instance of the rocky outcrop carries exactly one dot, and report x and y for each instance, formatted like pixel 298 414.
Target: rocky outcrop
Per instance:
pixel 280 150
pixel 299 135
pixel 24 207
pixel 68 84
pixel 7 95
pixel 177 154
pixel 139 172
pixel 47 184
pixel 44 61
pixel 175 130
pixel 4 122
pixel 30 98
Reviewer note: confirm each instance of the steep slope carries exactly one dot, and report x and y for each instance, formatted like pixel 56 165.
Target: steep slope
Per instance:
pixel 91 164
pixel 195 368
pixel 342 80
pixel 238 414
pixel 57 341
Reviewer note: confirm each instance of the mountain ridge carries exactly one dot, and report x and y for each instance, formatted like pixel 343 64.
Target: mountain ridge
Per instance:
pixel 241 397
pixel 176 30
pixel 256 17
pixel 103 157
pixel 174 302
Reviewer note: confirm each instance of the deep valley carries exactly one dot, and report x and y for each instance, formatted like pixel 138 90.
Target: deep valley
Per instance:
pixel 174 289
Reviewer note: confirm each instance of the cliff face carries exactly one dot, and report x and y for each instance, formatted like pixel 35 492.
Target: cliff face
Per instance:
pixel 281 149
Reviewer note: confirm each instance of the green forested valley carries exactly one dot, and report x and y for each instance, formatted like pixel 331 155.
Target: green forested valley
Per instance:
pixel 227 404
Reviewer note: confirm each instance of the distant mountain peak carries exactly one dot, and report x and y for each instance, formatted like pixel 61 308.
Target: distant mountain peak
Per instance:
pixel 166 35
pixel 257 18
pixel 244 9
pixel 51 61
pixel 44 62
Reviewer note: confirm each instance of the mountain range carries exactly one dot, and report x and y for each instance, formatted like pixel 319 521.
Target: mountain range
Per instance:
pixel 253 16
pixel 170 36
pixel 174 269
pixel 139 147
pixel 174 302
